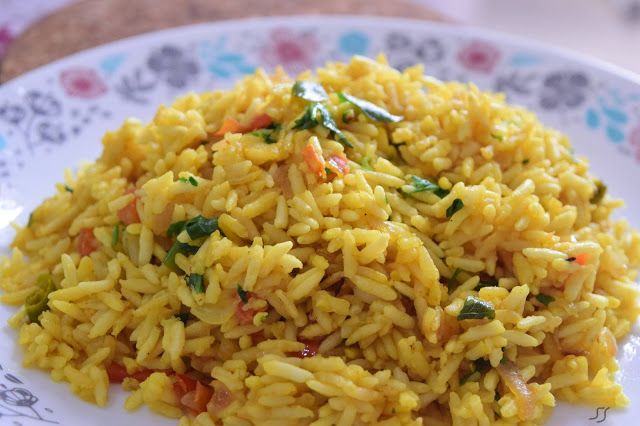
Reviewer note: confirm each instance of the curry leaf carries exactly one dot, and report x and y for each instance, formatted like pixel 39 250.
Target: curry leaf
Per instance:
pixel 318 114
pixel 310 91
pixel 371 110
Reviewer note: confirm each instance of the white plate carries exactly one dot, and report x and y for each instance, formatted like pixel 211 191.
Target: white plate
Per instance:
pixel 54 117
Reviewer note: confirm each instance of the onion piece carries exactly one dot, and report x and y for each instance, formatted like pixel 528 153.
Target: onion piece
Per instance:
pixel 525 399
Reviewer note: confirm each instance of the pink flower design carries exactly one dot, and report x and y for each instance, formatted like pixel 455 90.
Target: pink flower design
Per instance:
pixel 294 51
pixel 82 83
pixel 5 39
pixel 479 56
pixel 634 141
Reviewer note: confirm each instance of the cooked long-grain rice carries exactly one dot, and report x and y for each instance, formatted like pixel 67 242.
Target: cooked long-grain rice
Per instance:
pixel 351 266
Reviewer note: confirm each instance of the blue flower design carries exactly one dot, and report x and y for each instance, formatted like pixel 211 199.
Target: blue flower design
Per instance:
pixel 609 113
pixel 221 62
pixel 353 43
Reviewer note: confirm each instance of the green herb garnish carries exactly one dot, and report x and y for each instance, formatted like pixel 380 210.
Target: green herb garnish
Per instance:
pixel 115 235
pixel 525 161
pixel 266 135
pixel 481 366
pixel 371 110
pixel 200 226
pixel 243 294
pixel 38 301
pixel 190 180
pixel 197 227
pixel 424 185
pixel 175 228
pixel 178 247
pixel 309 91
pixel 497 137
pixel 30 221
pixel 68 189
pixel 455 207
pixel 318 114
pixel 598 195
pixel 195 282
pixel 475 308
pixel 487 282
pixel 545 299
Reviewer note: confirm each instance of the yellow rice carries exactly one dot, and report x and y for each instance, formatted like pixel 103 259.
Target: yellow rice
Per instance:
pixel 353 263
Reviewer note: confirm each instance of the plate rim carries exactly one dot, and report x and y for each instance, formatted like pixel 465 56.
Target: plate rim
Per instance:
pixel 450 28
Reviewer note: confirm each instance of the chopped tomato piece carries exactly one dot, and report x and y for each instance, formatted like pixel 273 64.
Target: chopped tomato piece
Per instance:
pixel 312 154
pixel 129 213
pixel 229 125
pixel 311 348
pixel 221 398
pixel 116 372
pixel 581 259
pixel 202 397
pixel 260 121
pixel 338 164
pixel 244 314
pixel 142 375
pixel 87 242
pixel 182 385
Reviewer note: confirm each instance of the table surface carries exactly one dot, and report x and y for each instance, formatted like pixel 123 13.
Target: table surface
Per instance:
pixel 52 37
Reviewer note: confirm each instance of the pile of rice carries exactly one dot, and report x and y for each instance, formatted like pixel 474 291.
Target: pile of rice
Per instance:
pixel 333 297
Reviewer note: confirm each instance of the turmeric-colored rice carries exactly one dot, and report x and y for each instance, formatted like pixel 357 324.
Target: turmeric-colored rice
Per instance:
pixel 446 262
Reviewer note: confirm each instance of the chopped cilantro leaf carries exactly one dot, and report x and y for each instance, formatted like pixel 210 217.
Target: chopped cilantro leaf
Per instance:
pixel 115 235
pixel 425 185
pixel 195 282
pixel 243 294
pixel 455 207
pixel 190 180
pixel 68 189
pixel 475 308
pixel 545 299
pixel 178 247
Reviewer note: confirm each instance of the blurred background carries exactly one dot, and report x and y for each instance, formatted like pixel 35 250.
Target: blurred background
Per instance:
pixel 34 32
